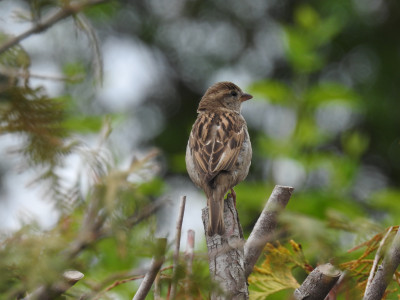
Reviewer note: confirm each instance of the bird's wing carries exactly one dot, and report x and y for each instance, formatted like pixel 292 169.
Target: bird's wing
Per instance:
pixel 215 142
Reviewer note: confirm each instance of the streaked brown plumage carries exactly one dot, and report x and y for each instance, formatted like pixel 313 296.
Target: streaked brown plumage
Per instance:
pixel 218 154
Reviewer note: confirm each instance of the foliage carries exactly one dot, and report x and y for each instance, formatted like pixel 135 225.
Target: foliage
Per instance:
pixel 275 272
pixel 361 267
pixel 324 119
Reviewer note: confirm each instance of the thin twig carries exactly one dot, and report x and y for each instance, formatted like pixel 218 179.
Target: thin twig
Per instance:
pixel 377 258
pixel 24 74
pixel 157 288
pixel 265 226
pixel 145 213
pixel 177 246
pixel 119 282
pixel 97 61
pixel 65 12
pixel 385 271
pixel 155 266
pixel 189 254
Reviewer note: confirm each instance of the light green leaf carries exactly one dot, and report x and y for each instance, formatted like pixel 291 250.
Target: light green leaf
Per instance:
pixel 328 91
pixel 273 90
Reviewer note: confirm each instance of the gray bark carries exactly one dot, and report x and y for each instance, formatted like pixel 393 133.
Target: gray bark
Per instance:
pixel 151 274
pixel 226 255
pixel 69 278
pixel 318 283
pixel 385 271
pixel 177 246
pixel 265 226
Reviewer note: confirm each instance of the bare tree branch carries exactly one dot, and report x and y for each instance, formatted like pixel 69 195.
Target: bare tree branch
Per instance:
pixel 318 283
pixel 226 255
pixel 93 228
pixel 265 226
pixel 385 271
pixel 177 246
pixel 65 12
pixel 69 278
pixel 155 266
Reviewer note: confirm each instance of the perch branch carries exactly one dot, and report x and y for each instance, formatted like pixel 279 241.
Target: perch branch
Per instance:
pixel 177 245
pixel 65 12
pixel 226 255
pixel 151 274
pixel 385 271
pixel 318 283
pixel 265 226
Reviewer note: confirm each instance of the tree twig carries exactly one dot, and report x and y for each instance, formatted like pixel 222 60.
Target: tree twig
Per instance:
pixel 385 271
pixel 177 246
pixel 69 278
pixel 378 256
pixel 226 255
pixel 25 74
pixel 318 283
pixel 157 288
pixel 189 254
pixel 65 12
pixel 145 212
pixel 265 226
pixel 151 274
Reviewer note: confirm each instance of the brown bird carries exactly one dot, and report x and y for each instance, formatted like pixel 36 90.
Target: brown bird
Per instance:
pixel 218 154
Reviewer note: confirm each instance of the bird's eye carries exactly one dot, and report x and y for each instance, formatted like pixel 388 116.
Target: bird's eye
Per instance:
pixel 234 93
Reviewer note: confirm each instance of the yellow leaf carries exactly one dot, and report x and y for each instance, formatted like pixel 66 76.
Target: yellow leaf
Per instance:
pixel 275 273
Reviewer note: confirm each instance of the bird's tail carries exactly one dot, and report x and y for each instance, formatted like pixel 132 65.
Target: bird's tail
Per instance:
pixel 216 216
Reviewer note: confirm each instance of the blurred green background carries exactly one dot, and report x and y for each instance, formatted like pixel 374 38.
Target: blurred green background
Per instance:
pixel 325 117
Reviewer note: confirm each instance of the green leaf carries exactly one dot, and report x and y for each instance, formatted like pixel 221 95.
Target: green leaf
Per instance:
pixel 386 201
pixel 83 124
pixel 153 187
pixel 177 163
pixel 307 17
pixel 15 57
pixel 301 52
pixel 74 71
pixel 355 143
pixel 328 91
pixel 103 12
pixel 275 91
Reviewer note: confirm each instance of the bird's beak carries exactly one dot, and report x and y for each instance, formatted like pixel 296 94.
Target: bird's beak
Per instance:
pixel 245 97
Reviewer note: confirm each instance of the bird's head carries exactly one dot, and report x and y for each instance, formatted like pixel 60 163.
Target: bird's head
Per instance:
pixel 223 95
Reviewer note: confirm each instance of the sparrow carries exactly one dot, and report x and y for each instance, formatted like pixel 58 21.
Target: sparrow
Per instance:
pixel 218 153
